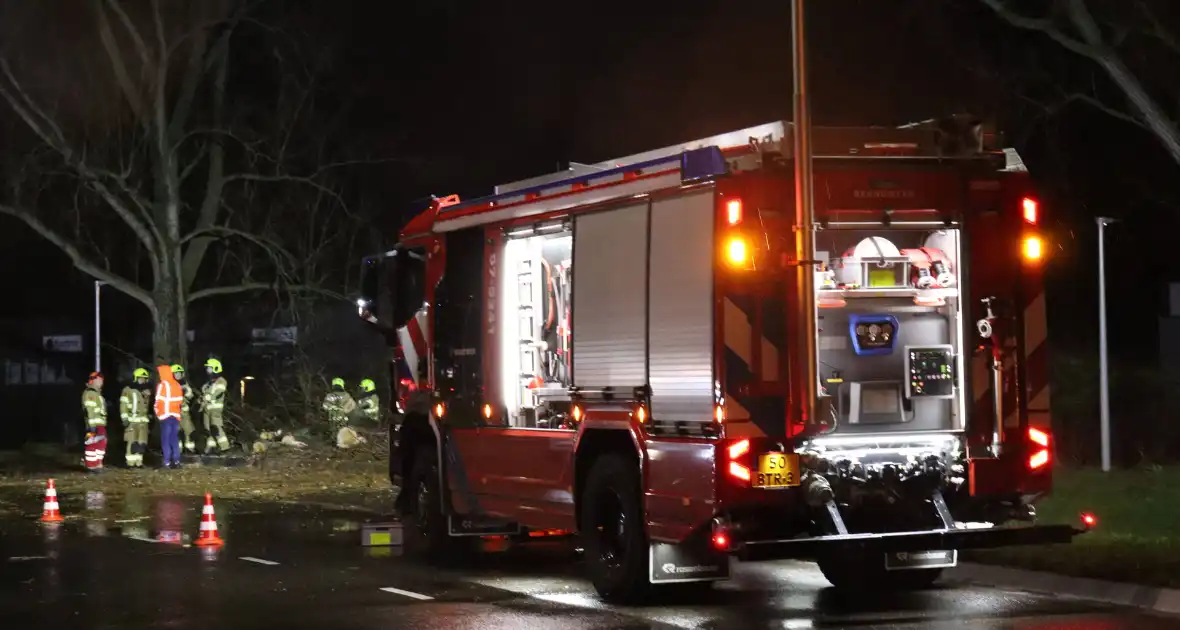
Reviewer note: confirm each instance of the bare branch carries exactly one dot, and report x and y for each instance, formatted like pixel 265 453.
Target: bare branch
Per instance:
pixel 259 286
pixel 1158 31
pixel 270 246
pixel 1042 25
pixel 215 178
pixel 306 180
pixel 194 163
pixel 1104 108
pixel 122 76
pixel 41 125
pixel 80 261
pixel 140 45
pixel 1150 114
pixel 166 168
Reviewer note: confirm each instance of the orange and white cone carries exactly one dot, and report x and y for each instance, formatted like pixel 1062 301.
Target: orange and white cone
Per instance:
pixel 51 513
pixel 208 536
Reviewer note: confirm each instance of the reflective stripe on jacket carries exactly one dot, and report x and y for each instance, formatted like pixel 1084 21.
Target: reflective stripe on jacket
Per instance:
pixel 94 407
pixel 133 404
pixel 213 394
pixel 169 395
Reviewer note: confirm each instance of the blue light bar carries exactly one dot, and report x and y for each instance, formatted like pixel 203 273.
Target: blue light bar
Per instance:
pixel 700 164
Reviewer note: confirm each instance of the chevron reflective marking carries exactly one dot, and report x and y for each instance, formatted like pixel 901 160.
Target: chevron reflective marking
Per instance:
pixel 412 338
pixel 749 415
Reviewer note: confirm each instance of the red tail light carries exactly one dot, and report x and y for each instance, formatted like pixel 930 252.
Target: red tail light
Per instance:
pixel 733 211
pixel 735 469
pixel 1039 457
pixel 1029 209
pixel 721 538
pixel 739 448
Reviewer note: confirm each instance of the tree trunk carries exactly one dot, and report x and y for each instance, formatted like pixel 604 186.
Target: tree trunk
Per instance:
pixel 167 340
pixel 169 334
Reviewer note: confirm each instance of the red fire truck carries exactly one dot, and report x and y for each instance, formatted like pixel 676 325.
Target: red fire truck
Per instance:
pixel 634 352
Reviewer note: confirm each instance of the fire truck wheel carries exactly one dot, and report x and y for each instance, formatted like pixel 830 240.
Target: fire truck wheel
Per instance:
pixel 425 526
pixel 615 544
pixel 857 572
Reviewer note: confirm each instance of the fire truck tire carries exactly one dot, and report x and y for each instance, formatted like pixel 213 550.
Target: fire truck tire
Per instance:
pixel 616 546
pixel 425 525
pixel 857 572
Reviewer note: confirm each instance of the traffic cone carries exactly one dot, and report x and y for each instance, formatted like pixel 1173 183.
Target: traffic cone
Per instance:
pixel 208 536
pixel 51 513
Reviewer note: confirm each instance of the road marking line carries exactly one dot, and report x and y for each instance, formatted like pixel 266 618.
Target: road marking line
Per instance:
pixel 23 558
pixel 258 560
pixel 398 591
pixel 142 539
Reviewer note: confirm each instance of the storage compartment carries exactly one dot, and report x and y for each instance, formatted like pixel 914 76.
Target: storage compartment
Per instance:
pixel 890 329
pixel 535 337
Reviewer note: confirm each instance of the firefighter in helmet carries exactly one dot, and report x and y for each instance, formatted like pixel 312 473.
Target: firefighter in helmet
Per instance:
pixel 95 408
pixel 213 406
pixel 134 404
pixel 186 417
pixel 367 401
pixel 339 405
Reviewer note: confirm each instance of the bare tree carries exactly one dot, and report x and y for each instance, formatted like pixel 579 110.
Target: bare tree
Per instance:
pixel 1126 31
pixel 166 182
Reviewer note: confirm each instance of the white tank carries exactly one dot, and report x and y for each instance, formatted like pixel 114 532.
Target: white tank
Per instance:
pixel 850 269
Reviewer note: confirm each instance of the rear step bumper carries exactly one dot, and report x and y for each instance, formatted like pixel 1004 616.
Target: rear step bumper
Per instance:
pixel 802 548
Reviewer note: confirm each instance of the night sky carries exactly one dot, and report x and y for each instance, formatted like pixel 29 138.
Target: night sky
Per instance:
pixel 470 94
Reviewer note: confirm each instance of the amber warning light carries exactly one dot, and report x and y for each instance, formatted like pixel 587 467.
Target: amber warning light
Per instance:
pixel 1032 248
pixel 737 251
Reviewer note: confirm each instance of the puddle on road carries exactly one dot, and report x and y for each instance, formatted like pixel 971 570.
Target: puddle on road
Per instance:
pixel 176 520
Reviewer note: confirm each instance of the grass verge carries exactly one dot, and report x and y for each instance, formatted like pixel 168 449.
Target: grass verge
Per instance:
pixel 1138 534
pixel 321 475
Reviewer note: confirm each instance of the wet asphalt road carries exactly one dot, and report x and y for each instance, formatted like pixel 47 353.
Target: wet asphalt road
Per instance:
pixel 131 565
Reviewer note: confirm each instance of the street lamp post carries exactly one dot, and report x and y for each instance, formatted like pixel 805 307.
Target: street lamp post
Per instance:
pixel 98 325
pixel 1103 374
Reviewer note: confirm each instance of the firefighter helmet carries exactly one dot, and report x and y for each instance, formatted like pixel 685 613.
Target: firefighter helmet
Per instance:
pixel 140 373
pixel 368 385
pixel 177 369
pixel 338 382
pixel 214 365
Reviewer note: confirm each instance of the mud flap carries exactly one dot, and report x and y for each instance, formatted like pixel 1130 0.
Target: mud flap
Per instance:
pixel 934 559
pixel 470 525
pixel 694 560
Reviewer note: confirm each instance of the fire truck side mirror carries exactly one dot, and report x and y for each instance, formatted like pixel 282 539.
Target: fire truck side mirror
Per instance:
pixel 369 300
pixel 406 285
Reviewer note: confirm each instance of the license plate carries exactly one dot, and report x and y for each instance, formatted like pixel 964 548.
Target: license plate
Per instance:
pixel 777 470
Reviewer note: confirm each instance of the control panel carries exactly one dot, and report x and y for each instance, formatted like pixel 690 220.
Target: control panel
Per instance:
pixel 872 334
pixel 930 371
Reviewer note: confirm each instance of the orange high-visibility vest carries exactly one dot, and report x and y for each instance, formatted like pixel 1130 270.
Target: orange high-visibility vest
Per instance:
pixel 169 393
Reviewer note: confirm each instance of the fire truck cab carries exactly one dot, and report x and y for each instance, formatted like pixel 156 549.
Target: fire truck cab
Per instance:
pixel 640 352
